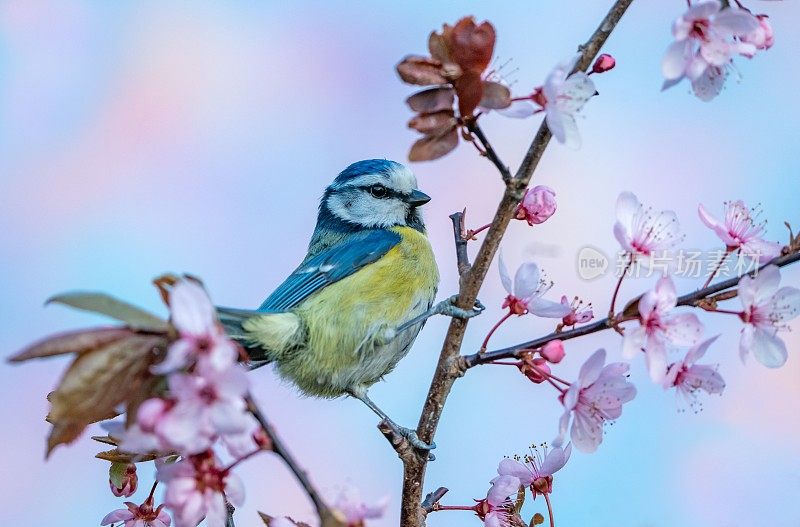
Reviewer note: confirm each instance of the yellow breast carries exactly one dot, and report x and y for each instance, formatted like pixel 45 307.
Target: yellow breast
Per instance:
pixel 342 319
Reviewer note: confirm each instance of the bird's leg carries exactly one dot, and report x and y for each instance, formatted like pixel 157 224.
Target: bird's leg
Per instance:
pixel 410 434
pixel 446 307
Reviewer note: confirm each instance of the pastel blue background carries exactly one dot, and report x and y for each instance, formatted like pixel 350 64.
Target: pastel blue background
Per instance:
pixel 144 137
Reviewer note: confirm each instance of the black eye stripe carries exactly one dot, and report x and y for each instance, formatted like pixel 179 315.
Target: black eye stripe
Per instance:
pixel 388 192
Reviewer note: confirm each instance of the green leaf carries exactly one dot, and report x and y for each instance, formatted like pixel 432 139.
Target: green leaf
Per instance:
pixel 117 473
pixel 111 307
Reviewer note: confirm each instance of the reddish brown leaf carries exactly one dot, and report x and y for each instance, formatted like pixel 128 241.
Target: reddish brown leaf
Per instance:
pixel 432 100
pixel 437 44
pixel 422 71
pixel 469 88
pixel 109 306
pixel 433 123
pixel 118 456
pixel 495 96
pixel 72 342
pixel 97 382
pixel 433 146
pixel 472 45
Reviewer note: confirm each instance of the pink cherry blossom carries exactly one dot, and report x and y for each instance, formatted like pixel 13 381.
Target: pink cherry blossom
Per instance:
pixel 578 311
pixel 767 310
pixel 706 38
pixel 739 230
pixel 197 488
pixel 525 295
pixel 641 231
pixel 130 481
pixel 761 37
pixel 495 509
pixel 536 470
pixel 138 515
pixel 553 351
pixel 688 378
pixel 562 96
pixel 660 328
pixel 141 436
pixel 596 397
pixel 202 338
pixel 206 406
pixel 355 510
pixel 537 205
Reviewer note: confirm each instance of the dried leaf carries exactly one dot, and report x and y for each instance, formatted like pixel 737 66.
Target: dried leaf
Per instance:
pixel 72 342
pixel 472 45
pixel 433 123
pixel 437 45
pixel 432 100
pixel 422 71
pixel 118 456
pixel 97 382
pixel 495 96
pixel 106 440
pixel 537 519
pixel 111 307
pixel 632 307
pixel 520 501
pixel 267 519
pixel 433 146
pixel 469 88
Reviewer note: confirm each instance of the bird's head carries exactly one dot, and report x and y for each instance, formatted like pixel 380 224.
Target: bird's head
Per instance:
pixel 373 194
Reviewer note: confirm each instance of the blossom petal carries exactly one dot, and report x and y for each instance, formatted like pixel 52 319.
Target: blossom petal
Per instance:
pixel 786 304
pixel 502 488
pixel 548 309
pixel 119 515
pixel 555 123
pixel 627 207
pixel 762 250
pixel 234 489
pixel 191 309
pixel 709 83
pixel 765 283
pixel 518 110
pixel 591 369
pixel 656 360
pixel 526 281
pixel 673 65
pixel 684 329
pixel 505 278
pixel 633 342
pixel 554 461
pixel 768 348
pixel 512 467
pixel 697 352
pixel 735 22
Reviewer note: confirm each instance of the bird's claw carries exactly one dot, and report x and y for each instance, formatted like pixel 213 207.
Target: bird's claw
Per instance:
pixel 413 439
pixel 448 307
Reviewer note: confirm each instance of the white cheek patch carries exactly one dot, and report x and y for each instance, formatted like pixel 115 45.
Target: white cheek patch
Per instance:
pixel 367 211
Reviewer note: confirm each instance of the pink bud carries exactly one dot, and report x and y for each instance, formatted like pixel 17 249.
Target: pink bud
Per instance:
pixel 535 370
pixel 553 351
pixel 761 37
pixel 603 63
pixel 130 482
pixel 537 205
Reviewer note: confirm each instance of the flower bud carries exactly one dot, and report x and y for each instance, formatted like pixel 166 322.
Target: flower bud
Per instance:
pixel 537 205
pixel 126 482
pixel 761 37
pixel 536 370
pixel 603 63
pixel 553 351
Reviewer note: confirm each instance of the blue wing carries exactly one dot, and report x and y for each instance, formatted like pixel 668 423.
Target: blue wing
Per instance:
pixel 329 266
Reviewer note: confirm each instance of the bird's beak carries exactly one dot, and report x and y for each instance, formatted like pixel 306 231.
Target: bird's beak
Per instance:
pixel 417 198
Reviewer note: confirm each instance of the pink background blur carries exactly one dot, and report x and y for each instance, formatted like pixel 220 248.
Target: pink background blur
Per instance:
pixel 144 137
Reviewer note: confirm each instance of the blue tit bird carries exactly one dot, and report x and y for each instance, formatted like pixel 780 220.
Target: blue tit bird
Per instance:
pixel 353 307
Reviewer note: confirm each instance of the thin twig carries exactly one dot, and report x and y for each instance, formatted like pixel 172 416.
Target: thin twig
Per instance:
pixel 491 154
pixel 449 366
pixel 432 499
pixel 462 257
pixel 695 299
pixel 281 451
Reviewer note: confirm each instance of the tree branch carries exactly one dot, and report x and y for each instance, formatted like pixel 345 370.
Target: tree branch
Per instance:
pixel 327 518
pixel 462 257
pixel 449 367
pixel 690 299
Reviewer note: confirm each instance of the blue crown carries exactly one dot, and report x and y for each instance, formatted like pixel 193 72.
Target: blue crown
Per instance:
pixel 367 166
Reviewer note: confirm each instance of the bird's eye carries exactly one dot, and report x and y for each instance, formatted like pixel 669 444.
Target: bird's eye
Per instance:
pixel 379 191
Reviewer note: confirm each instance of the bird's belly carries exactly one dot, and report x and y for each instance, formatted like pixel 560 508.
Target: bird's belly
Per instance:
pixel 347 321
